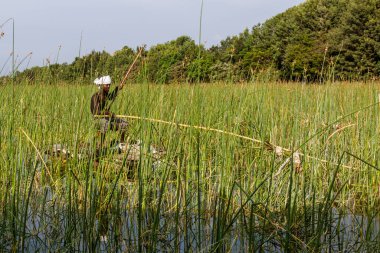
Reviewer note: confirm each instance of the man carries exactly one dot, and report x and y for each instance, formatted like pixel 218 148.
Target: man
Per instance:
pixel 100 103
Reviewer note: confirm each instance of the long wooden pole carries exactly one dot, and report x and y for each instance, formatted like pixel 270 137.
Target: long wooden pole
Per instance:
pixel 121 85
pixel 130 68
pixel 228 133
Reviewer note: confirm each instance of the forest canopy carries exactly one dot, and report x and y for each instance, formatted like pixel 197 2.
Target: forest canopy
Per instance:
pixel 317 41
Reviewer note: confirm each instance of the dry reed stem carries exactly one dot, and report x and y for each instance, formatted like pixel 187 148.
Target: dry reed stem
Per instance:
pixel 38 153
pixel 282 166
pixel 338 130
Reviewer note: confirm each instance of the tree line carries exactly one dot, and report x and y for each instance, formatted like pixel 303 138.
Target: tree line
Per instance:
pixel 317 41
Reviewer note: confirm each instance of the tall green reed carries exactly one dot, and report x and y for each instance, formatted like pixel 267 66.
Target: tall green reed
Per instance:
pixel 214 191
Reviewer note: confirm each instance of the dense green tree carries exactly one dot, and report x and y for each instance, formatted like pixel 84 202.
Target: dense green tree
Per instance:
pixel 316 41
pixel 170 61
pixel 360 40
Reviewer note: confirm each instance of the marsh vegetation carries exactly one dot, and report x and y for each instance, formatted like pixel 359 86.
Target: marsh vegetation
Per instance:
pixel 228 190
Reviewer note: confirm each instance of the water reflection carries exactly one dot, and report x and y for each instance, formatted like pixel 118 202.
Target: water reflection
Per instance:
pixel 123 229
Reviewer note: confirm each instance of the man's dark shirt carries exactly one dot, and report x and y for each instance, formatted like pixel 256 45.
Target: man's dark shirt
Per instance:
pixel 99 101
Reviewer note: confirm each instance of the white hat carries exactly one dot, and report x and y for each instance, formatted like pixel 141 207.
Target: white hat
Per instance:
pixel 102 80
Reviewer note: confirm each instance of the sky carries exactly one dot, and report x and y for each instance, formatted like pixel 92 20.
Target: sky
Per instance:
pixel 58 31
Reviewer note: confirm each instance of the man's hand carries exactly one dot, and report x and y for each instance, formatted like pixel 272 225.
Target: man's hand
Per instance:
pixel 109 114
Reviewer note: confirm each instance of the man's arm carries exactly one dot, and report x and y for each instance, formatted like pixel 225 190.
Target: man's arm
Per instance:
pixel 111 96
pixel 110 99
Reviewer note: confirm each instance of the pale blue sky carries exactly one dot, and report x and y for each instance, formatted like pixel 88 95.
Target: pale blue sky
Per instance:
pixel 42 26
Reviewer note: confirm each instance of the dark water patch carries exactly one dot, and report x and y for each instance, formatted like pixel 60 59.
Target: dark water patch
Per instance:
pixel 54 228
